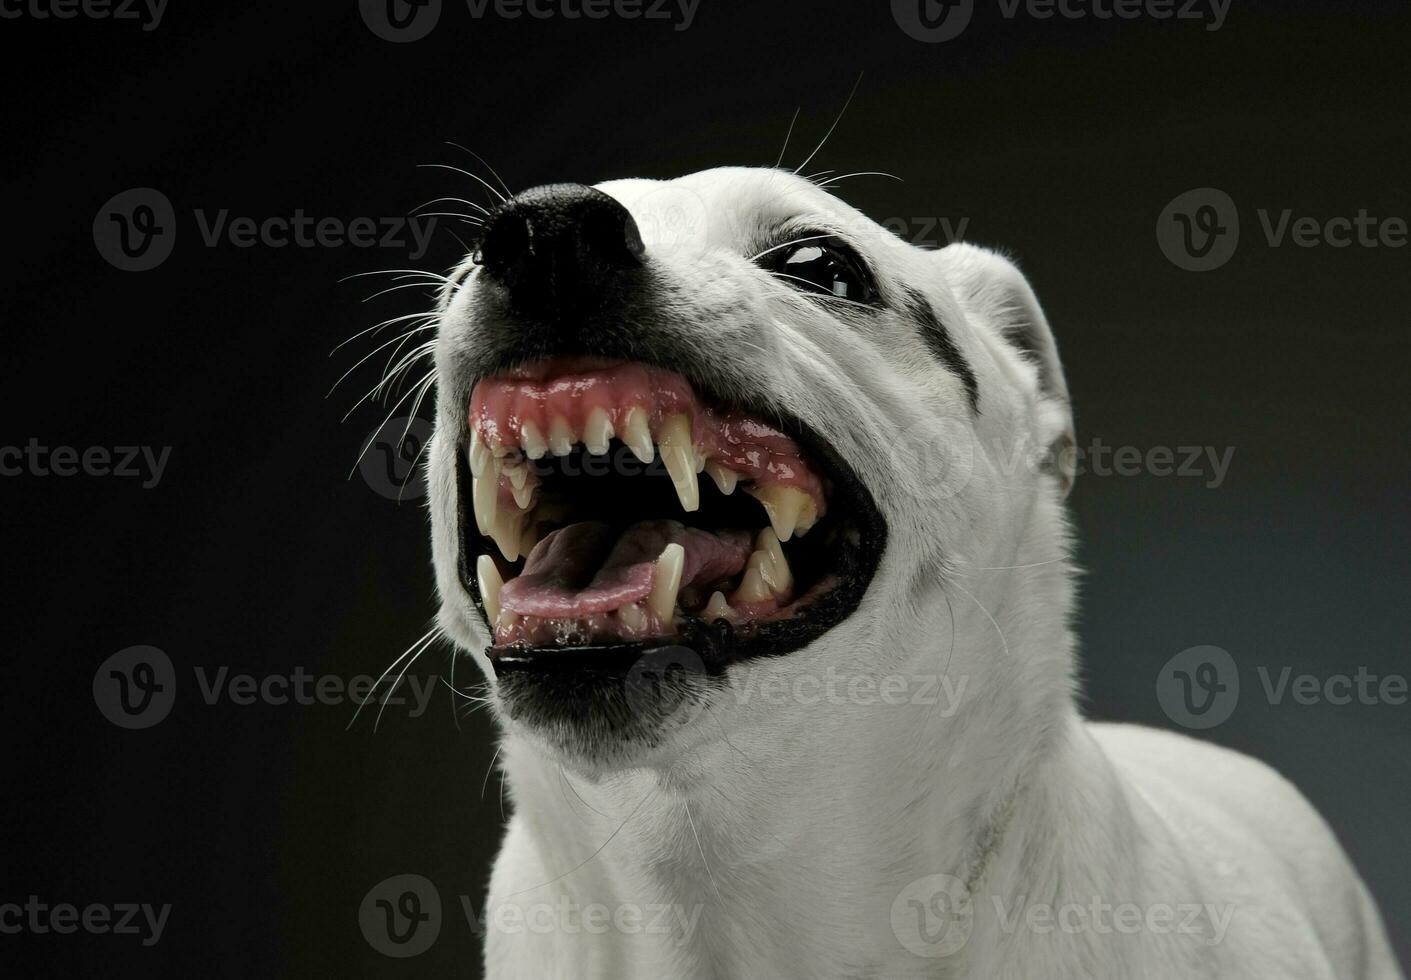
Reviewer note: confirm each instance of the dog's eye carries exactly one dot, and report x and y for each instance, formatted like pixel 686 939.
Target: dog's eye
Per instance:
pixel 824 265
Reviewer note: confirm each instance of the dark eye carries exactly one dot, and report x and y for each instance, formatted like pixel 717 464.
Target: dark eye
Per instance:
pixel 828 266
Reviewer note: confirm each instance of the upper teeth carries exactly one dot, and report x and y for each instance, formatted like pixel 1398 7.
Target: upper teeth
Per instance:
pixel 791 511
pixel 680 458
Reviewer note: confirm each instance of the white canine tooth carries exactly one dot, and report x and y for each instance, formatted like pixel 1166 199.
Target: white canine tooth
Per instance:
pixel 633 617
pixel 487 576
pixel 666 582
pixel 506 534
pixel 532 441
pixel 808 516
pixel 773 566
pixel 485 495
pixel 479 454
pixel 517 473
pixel 597 431
pixel 783 505
pixel 560 436
pixel 679 456
pixel 717 608
pixel 637 436
pixel 752 586
pixel 724 477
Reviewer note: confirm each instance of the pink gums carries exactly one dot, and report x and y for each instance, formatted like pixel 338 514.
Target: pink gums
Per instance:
pixel 572 387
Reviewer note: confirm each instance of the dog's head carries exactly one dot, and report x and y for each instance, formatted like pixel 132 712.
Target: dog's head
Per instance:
pixel 697 428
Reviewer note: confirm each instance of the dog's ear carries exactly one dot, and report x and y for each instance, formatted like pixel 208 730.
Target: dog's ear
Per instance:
pixel 1000 300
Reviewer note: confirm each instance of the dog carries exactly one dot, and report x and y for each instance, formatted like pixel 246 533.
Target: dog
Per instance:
pixel 753 517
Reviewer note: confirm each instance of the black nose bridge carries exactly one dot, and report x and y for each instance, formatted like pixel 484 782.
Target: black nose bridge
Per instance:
pixel 559 247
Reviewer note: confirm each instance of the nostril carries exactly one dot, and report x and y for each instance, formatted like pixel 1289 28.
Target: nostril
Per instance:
pixel 558 244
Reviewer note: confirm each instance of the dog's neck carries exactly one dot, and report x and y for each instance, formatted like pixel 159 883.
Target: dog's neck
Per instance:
pixel 781 845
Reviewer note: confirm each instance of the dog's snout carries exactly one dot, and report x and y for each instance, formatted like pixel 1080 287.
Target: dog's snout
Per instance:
pixel 559 246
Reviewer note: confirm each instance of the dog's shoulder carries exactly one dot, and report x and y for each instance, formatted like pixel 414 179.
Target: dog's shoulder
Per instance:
pixel 1238 822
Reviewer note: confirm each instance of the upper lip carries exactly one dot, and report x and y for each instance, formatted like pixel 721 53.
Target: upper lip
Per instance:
pixel 547 411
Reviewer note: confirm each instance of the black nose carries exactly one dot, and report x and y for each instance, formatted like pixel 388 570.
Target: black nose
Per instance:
pixel 560 248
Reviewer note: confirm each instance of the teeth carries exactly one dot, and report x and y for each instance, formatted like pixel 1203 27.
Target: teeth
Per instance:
pixel 597 432
pixel 667 582
pixel 752 587
pixel 523 494
pixel 517 474
pixel 505 621
pixel 717 608
pixel 724 477
pixel 487 576
pixel 680 458
pixel 506 534
pixel 767 573
pixel 700 459
pixel 560 436
pixel 637 436
pixel 789 509
pixel 773 566
pixel 479 454
pixel 633 617
pixel 485 492
pixel 532 441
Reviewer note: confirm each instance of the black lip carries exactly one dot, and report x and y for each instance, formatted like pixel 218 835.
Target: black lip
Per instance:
pixel 716 645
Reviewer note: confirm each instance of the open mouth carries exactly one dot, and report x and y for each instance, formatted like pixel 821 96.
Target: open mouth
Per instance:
pixel 610 507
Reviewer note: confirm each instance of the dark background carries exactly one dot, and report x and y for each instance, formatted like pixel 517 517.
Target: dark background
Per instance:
pixel 1061 141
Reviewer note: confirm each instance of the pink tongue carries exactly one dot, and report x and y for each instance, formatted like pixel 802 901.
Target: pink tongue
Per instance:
pixel 589 568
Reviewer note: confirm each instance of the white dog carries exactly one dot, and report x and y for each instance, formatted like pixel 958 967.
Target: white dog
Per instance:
pixel 753 517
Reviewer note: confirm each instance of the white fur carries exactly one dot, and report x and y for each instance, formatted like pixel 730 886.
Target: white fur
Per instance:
pixel 778 831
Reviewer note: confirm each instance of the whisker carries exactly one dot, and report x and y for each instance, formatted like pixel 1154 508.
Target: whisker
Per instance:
pixel 832 127
pixel 783 149
pixel 508 193
pixel 395 684
pixel 481 180
pixel 374 329
pixel 430 634
pixel 704 860
pixel 611 837
pixel 392 272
